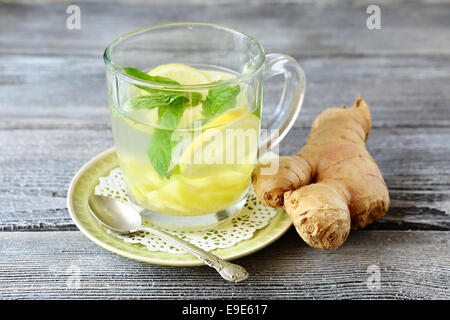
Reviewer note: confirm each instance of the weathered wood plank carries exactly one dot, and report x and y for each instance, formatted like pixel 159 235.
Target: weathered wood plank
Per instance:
pixel 413 265
pixel 312 28
pixel 38 165
pixel 69 92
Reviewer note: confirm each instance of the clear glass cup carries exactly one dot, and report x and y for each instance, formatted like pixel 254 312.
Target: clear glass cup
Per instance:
pixel 187 150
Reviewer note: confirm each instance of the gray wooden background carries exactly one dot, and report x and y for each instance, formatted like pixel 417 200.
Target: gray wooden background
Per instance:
pixel 54 117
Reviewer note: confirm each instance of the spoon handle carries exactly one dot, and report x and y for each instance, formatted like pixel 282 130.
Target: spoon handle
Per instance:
pixel 229 271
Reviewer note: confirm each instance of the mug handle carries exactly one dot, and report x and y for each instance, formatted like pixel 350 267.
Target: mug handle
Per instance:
pixel 290 102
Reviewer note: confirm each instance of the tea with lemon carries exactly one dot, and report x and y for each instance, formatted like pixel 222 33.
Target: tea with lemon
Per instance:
pixel 186 152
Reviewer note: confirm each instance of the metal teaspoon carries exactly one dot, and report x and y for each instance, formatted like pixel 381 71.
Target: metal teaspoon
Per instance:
pixel 123 218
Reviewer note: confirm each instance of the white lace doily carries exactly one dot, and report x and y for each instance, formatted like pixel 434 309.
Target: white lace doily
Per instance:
pixel 252 217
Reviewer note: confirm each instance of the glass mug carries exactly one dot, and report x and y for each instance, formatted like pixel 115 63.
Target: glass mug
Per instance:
pixel 186 103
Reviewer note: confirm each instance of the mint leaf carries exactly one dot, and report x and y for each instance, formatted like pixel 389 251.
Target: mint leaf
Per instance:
pixel 219 100
pixel 169 116
pixel 160 98
pixel 160 148
pixel 164 97
pixel 161 144
pixel 144 76
pixel 150 101
pixel 194 97
pixel 175 170
pixel 257 112
pixel 159 151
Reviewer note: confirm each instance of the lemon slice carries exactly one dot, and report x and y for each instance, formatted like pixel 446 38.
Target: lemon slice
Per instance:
pixel 227 117
pixel 218 75
pixel 181 73
pixel 211 151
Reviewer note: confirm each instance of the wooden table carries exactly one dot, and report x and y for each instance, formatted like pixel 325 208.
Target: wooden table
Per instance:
pixel 54 117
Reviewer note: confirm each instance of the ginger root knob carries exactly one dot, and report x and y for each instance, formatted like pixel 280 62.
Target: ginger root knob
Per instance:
pixel 332 183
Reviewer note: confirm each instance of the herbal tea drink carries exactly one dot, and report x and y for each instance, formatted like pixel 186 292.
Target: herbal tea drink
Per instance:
pixel 187 153
pixel 186 101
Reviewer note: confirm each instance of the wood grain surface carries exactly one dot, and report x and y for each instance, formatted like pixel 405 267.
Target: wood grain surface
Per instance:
pixel 54 117
pixel 412 264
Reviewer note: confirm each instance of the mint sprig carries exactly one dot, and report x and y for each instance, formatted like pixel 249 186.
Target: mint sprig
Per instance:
pixel 145 76
pixel 220 100
pixel 192 98
pixel 149 102
pixel 171 105
pixel 159 151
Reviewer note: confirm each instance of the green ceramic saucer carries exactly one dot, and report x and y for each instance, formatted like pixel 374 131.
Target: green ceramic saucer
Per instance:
pixel 82 187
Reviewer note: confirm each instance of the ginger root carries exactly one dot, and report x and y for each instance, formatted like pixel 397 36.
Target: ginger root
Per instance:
pixel 347 189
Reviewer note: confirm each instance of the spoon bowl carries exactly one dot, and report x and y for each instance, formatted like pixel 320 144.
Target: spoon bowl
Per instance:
pixel 115 215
